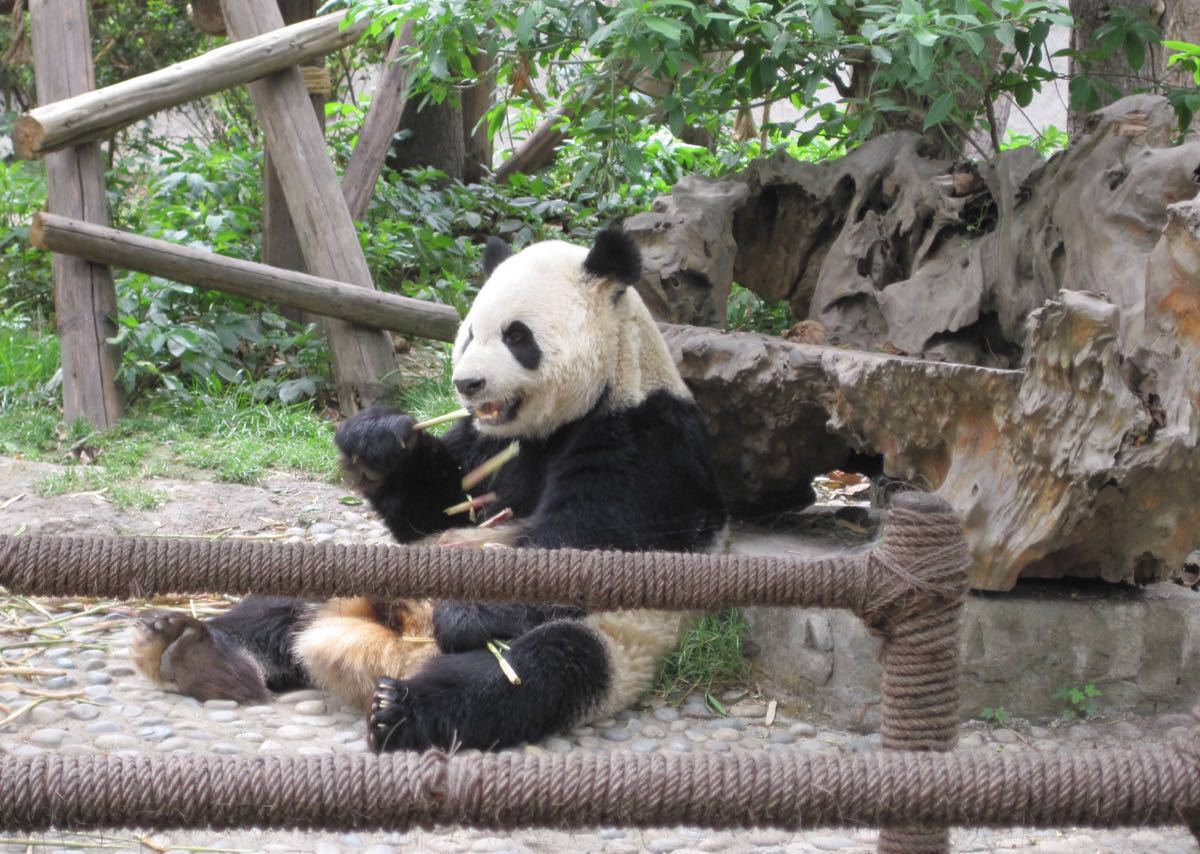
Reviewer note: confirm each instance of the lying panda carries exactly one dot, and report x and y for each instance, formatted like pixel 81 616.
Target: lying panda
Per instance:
pixel 560 353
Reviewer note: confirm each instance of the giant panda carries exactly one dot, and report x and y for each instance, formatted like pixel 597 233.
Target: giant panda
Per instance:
pixel 559 353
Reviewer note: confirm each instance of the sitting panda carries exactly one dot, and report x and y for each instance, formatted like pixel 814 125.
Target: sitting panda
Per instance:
pixel 557 352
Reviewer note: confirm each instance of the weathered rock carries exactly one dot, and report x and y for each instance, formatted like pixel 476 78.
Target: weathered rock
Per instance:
pixel 888 252
pixel 1056 471
pixel 1085 464
pixel 1017 649
pixel 688 250
pixel 761 400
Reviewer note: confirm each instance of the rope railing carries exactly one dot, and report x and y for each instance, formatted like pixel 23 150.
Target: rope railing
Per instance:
pixel 786 789
pixel 908 588
pixel 921 554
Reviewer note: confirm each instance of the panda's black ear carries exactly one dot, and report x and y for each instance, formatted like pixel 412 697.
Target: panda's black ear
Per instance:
pixel 615 256
pixel 494 254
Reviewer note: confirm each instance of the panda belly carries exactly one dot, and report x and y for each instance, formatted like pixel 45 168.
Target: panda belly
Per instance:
pixel 634 643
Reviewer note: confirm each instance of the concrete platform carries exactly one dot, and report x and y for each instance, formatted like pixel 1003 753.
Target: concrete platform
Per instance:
pixel 1139 647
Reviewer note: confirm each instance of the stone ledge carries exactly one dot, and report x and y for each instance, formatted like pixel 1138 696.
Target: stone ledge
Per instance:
pixel 1140 647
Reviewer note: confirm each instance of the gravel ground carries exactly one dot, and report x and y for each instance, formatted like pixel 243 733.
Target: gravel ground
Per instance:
pixel 76 692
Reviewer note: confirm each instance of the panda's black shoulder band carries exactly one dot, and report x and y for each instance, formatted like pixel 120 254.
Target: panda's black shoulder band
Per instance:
pixel 614 256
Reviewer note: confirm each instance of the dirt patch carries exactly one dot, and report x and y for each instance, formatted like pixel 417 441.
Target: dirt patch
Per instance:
pixel 191 507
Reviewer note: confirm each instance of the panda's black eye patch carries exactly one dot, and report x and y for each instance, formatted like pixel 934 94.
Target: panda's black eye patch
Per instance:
pixel 518 338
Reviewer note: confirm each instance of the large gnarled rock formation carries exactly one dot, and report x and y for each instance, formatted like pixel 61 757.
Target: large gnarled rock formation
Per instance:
pixel 1085 463
pixel 893 250
pixel 1083 271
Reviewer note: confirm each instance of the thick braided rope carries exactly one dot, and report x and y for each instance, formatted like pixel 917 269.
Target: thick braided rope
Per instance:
pixel 898 573
pixel 786 789
pixel 916 606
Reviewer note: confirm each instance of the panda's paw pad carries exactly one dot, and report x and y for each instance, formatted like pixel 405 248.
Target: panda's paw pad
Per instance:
pixel 392 725
pixel 164 627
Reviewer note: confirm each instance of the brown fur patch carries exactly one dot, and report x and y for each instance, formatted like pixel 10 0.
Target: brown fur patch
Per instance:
pixel 352 642
pixel 176 651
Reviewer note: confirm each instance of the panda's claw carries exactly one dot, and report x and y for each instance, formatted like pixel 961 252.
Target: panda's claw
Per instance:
pixel 389 726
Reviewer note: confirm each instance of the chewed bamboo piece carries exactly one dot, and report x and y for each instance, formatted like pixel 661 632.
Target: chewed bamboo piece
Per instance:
pixel 470 505
pixel 442 419
pixel 498 519
pixel 495 647
pixel 489 467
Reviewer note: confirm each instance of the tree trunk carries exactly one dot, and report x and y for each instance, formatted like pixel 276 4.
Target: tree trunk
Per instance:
pixel 1176 19
pixel 436 140
pixel 477 159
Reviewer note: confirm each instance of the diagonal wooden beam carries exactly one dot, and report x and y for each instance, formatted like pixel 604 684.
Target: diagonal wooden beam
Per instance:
pixel 362 358
pixel 383 117
pixel 99 113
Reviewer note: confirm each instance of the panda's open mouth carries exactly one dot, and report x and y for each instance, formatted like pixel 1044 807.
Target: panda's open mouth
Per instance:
pixel 497 411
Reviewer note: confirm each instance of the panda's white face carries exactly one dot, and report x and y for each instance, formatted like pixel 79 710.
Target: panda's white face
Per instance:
pixel 539 346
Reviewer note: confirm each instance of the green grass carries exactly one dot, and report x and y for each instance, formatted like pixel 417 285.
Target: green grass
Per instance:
pixel 115 485
pixel 28 359
pixel 710 657
pixel 231 439
pixel 429 397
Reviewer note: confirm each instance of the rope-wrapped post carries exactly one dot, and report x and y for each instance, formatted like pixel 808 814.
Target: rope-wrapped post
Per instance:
pixel 916 609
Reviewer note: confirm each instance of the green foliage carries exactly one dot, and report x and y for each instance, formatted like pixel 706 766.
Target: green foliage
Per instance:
pixel 1049 141
pixel 28 358
pixel 689 64
pixel 711 656
pixel 129 37
pixel 995 717
pixel 1080 700
pixel 748 312
pixel 24 271
pixel 1186 101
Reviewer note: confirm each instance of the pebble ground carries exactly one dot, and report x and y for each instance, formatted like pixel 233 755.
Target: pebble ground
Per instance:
pixel 78 694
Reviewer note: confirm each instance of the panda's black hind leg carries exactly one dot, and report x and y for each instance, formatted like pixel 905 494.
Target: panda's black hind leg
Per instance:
pixel 466 700
pixel 177 650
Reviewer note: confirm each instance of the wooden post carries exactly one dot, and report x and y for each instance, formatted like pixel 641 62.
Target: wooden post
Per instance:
pixel 362 358
pixel 383 117
pixel 99 114
pixel 365 306
pixel 85 300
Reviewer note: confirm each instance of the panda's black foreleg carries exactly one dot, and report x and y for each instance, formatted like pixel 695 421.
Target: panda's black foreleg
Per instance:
pixel 463 626
pixel 409 476
pixel 466 700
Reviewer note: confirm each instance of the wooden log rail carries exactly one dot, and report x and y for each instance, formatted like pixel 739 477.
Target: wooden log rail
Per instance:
pixel 364 306
pixel 101 112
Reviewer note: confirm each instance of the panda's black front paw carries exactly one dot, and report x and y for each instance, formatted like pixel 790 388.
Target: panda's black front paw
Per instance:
pixel 374 443
pixel 395 721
